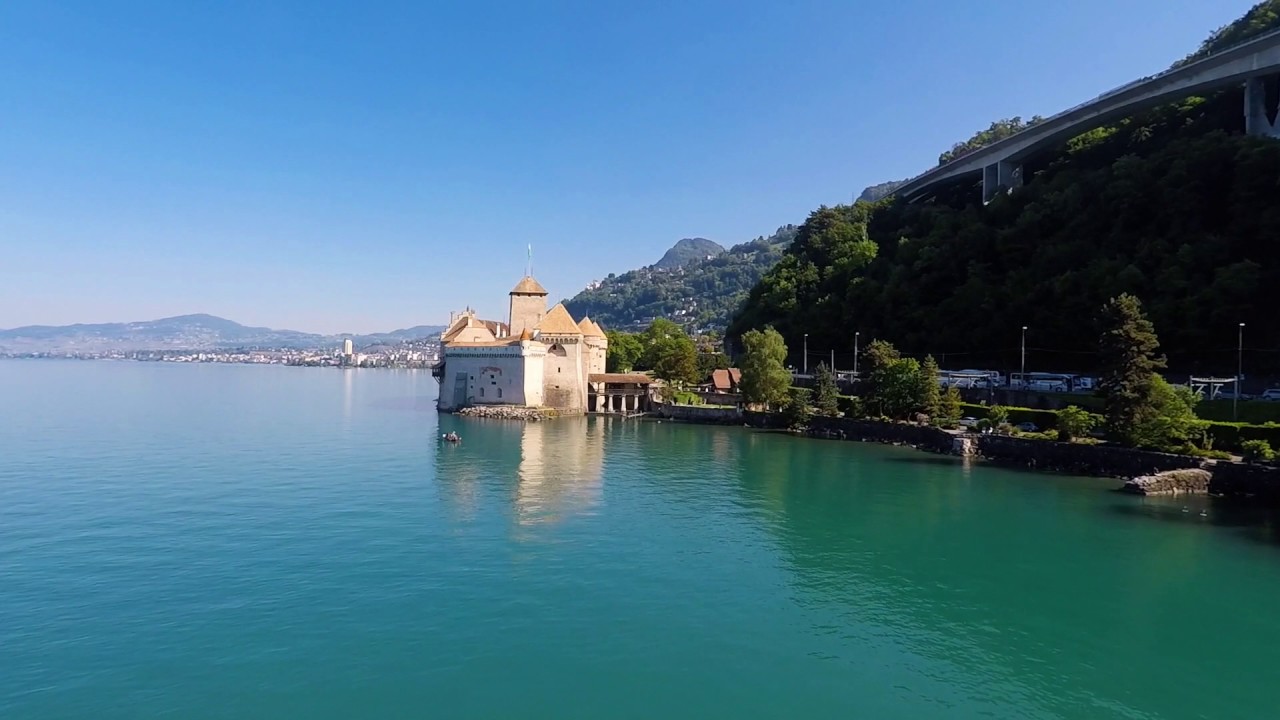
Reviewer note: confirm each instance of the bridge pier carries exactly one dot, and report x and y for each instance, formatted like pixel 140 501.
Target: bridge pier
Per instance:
pixel 1004 175
pixel 1257 116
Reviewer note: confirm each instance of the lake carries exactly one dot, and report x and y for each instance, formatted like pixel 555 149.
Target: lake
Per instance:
pixel 223 541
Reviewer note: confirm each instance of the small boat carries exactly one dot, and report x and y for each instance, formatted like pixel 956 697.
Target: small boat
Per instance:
pixel 452 437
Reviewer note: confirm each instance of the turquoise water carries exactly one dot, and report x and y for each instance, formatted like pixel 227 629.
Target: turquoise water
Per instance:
pixel 200 541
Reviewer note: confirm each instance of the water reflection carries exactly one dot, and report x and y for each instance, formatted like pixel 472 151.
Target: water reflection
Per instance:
pixel 348 392
pixel 559 471
pixel 543 472
pixel 1258 524
pixel 1034 586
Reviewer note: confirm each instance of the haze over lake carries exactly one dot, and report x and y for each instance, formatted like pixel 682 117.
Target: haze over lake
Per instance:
pixel 223 541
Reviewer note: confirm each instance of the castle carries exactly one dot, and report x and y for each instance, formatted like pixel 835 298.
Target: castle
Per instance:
pixel 538 358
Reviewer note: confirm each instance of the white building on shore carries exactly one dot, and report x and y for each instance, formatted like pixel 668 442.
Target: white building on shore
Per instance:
pixel 538 358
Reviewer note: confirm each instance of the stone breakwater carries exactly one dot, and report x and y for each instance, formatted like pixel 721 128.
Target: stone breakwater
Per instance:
pixel 1171 482
pixel 508 412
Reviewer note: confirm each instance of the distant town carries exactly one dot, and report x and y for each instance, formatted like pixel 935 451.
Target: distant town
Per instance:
pixel 421 353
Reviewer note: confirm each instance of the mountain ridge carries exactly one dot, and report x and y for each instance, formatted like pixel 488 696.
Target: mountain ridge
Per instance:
pixel 703 293
pixel 687 250
pixel 195 331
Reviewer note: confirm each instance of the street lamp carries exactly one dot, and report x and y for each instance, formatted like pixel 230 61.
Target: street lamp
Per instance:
pixel 806 353
pixel 1024 357
pixel 855 355
pixel 1235 401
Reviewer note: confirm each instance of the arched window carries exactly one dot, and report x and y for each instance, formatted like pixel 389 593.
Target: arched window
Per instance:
pixel 481 391
pixel 499 393
pixel 557 350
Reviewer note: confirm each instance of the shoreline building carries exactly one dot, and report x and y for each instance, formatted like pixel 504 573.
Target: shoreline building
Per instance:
pixel 538 358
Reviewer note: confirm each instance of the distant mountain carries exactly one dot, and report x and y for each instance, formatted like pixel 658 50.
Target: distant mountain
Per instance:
pixel 183 332
pixel 703 292
pixel 876 192
pixel 689 250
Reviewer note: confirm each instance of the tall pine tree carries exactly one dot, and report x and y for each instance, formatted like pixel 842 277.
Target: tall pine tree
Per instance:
pixel 930 388
pixel 1127 355
pixel 825 393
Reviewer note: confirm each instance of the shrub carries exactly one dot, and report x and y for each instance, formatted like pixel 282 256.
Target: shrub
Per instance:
pixel 685 397
pixel 797 412
pixel 851 406
pixel 1257 451
pixel 998 415
pixel 1075 422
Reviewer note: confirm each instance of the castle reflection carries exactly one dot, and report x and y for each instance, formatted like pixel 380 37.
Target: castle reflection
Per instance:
pixel 561 464
pixel 545 472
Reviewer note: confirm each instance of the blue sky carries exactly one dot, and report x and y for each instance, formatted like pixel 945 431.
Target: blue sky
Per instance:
pixel 366 166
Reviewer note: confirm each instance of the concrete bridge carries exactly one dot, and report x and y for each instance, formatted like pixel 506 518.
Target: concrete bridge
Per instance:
pixel 1000 164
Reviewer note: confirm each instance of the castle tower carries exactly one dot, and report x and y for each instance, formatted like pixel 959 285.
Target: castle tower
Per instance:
pixel 528 305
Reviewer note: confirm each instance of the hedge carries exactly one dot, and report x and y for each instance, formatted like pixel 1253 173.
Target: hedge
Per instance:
pixel 1043 419
pixel 1229 436
pixel 1226 435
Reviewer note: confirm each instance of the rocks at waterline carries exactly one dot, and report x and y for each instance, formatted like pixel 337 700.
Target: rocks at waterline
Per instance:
pixel 1171 482
pixel 508 412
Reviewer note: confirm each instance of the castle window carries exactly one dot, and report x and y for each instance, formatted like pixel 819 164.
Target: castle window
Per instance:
pixel 482 392
pixel 499 393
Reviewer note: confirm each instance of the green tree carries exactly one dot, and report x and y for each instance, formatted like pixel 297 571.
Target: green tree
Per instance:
pixel 797 412
pixel 625 350
pixel 951 409
pixel 669 352
pixel 1076 422
pixel 1170 422
pixel 930 393
pixel 655 337
pixel 675 360
pixel 826 395
pixel 1129 364
pixel 998 415
pixel 765 379
pixel 897 387
pixel 878 355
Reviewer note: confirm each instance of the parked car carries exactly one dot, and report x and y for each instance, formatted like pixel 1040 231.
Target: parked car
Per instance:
pixel 1270 395
pixel 968 422
pixel 1026 427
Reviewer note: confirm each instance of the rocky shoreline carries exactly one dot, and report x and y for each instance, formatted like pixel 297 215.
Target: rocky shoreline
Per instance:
pixel 1145 472
pixel 508 412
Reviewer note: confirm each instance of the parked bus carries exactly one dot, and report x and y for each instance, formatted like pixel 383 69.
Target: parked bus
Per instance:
pixel 1042 382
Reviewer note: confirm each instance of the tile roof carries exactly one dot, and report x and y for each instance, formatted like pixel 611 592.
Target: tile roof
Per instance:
pixel 528 286
pixel 470 321
pixel 558 322
pixel 726 380
pixel 589 328
pixel 635 378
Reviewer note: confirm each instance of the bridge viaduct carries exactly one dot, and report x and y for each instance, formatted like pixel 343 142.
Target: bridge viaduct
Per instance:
pixel 1000 163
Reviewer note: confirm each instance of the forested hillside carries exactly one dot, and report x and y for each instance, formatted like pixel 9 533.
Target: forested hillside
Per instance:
pixel 1176 206
pixel 701 293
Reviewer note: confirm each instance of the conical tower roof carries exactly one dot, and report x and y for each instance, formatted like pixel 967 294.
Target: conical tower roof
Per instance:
pixel 589 328
pixel 528 286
